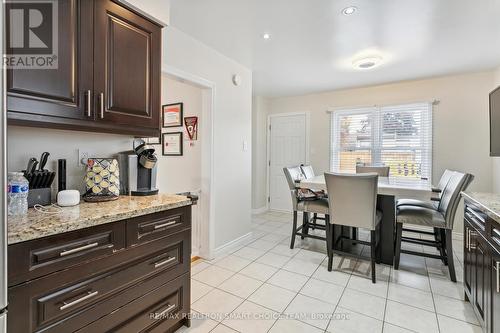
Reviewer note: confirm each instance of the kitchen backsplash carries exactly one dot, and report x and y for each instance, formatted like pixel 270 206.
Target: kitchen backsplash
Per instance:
pixel 25 142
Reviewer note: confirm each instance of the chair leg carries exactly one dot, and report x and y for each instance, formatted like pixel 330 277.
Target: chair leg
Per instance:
pixel 305 224
pixel 449 255
pixel 443 246
pixel 440 243
pixel 313 225
pixel 373 241
pixel 329 242
pixel 294 230
pixel 354 233
pixel 399 234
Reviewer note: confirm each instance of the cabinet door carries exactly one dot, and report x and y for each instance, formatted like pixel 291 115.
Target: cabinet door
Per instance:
pixel 468 263
pixel 127 68
pixel 481 280
pixel 494 310
pixel 52 95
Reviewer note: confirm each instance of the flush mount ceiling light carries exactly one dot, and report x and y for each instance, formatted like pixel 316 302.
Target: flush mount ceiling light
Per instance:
pixel 349 10
pixel 367 62
pixel 266 36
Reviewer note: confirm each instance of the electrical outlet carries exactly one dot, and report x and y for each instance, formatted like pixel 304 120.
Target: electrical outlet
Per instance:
pixel 83 156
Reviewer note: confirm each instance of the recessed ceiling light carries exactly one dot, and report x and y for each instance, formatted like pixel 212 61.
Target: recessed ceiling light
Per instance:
pixel 367 63
pixel 266 36
pixel 349 10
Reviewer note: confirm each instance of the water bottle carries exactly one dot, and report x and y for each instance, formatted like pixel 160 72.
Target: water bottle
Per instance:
pixel 18 188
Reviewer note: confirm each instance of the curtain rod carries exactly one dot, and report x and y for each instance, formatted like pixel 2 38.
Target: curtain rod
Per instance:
pixel 343 108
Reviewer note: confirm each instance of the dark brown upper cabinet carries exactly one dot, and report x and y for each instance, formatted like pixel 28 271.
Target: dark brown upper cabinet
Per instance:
pixel 108 77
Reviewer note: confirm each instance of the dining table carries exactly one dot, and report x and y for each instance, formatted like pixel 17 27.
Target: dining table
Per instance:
pixel 390 189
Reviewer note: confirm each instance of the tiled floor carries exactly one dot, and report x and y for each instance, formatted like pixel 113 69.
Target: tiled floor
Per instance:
pixel 266 287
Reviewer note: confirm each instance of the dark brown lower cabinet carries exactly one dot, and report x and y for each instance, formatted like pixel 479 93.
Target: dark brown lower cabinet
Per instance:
pixel 137 287
pixel 481 265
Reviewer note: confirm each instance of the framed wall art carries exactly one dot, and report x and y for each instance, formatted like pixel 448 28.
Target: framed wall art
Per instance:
pixel 172 114
pixel 172 144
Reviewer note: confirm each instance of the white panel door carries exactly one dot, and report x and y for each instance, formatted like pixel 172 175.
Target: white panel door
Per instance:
pixel 287 148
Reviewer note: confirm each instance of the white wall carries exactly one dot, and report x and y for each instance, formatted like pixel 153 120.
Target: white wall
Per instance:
pixel 495 161
pixel 260 106
pixel 158 9
pixel 181 173
pixel 460 120
pixel 232 122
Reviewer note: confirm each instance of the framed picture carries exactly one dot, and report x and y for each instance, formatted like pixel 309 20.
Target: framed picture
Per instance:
pixel 172 144
pixel 172 114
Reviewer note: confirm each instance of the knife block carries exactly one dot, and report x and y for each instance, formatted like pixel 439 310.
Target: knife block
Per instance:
pixel 39 196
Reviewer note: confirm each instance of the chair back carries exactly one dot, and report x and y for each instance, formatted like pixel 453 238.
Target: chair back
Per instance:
pixel 292 174
pixel 352 199
pixel 450 196
pixel 445 178
pixel 382 171
pixel 307 170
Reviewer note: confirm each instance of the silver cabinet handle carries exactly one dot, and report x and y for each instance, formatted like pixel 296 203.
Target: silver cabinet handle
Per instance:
pixel 471 234
pixel 497 268
pixel 165 225
pixel 466 238
pixel 89 102
pixel 101 103
pixel 78 249
pixel 164 262
pixel 77 301
pixel 167 310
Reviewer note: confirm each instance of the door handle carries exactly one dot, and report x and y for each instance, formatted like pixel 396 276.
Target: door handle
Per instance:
pixel 101 105
pixel 162 314
pixel 164 262
pixel 89 102
pixel 497 269
pixel 471 234
pixel 79 300
pixel 78 249
pixel 163 225
pixel 466 238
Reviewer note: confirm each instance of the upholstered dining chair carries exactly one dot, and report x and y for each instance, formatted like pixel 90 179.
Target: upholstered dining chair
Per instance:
pixel 352 202
pixel 382 171
pixel 441 218
pixel 318 206
pixel 307 171
pixel 434 203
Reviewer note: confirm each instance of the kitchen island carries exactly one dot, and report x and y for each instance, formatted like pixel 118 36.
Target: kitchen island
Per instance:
pixel 121 266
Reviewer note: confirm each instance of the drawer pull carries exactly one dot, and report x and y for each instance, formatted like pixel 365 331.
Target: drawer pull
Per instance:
pixel 79 300
pixel 78 249
pixel 497 268
pixel 164 262
pixel 472 234
pixel 165 224
pixel 476 215
pixel 162 314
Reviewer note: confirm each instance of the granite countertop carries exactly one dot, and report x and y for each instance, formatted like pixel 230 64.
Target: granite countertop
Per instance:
pixel 37 225
pixel 489 201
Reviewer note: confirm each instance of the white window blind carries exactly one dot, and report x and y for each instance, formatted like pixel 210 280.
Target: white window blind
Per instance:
pixel 399 136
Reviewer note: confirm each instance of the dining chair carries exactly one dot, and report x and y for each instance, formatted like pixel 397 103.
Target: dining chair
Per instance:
pixel 352 202
pixel 382 171
pixel 317 206
pixel 434 202
pixel 441 218
pixel 308 172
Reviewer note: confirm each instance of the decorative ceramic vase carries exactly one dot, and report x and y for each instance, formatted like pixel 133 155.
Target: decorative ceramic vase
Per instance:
pixel 102 180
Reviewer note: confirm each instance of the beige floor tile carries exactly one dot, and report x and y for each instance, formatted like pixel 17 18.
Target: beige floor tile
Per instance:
pixel 411 318
pixel 203 325
pixel 262 245
pixel 249 253
pixel 273 259
pixel 198 266
pixel 411 296
pixel 450 325
pixel 364 284
pixel 301 267
pixel 272 297
pixel 213 275
pixel 455 308
pixel 409 279
pixel 325 291
pixel 217 304
pixel 240 285
pixel 363 303
pixel 284 250
pixel 293 326
pixel 347 321
pixel 389 328
pixel 311 311
pixel 445 287
pixel 288 280
pixel 259 271
pixel 273 237
pixel 223 329
pixel 198 290
pixel 336 276
pixel 251 318
pixel 233 263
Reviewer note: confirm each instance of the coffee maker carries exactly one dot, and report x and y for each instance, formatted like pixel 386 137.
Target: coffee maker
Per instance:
pixel 138 170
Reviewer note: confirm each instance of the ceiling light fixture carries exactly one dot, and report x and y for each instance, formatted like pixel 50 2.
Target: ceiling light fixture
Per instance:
pixel 266 36
pixel 349 10
pixel 367 63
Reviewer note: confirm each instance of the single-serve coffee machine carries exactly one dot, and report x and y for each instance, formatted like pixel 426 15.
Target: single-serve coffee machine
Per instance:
pixel 138 170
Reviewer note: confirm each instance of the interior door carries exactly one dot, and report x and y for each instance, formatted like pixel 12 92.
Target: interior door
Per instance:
pixel 127 67
pixel 287 148
pixel 62 92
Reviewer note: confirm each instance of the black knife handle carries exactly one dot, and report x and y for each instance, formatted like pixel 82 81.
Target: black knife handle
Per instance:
pixel 43 160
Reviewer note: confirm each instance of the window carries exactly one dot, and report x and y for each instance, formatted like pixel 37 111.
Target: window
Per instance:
pixel 399 136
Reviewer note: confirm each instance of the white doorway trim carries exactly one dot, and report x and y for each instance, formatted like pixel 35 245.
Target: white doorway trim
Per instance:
pixel 268 131
pixel 204 235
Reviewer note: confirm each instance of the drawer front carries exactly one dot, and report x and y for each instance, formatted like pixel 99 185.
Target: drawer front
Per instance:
pixel 70 307
pixel 164 306
pixel 476 217
pixel 155 226
pixel 43 256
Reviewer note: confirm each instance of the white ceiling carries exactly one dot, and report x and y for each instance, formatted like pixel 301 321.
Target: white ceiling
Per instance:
pixel 313 45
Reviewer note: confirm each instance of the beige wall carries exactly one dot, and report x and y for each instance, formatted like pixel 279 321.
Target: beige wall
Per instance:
pixel 460 120
pixel 181 173
pixel 496 160
pixel 260 106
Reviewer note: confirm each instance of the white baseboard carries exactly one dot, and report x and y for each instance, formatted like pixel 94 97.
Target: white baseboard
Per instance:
pixel 230 246
pixel 259 210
